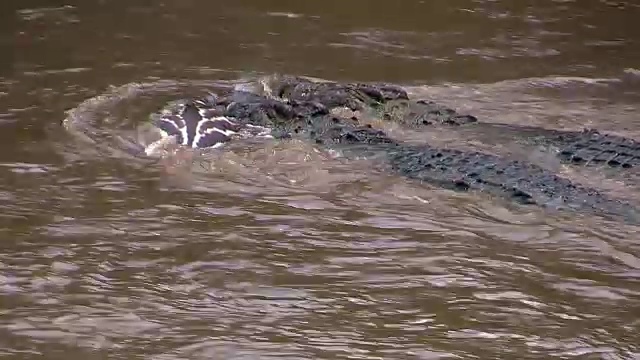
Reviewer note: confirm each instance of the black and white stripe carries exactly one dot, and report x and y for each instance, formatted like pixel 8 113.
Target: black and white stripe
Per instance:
pixel 197 125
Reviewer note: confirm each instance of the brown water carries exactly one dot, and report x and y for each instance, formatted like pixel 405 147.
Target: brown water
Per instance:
pixel 282 251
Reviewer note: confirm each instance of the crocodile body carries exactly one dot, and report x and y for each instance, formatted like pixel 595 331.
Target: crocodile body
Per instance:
pixel 585 148
pixel 590 147
pixel 302 108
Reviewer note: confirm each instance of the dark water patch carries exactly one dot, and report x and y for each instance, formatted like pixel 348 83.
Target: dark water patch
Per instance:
pixel 435 41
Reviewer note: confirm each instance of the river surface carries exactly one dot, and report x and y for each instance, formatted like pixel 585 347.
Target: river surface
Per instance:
pixel 279 250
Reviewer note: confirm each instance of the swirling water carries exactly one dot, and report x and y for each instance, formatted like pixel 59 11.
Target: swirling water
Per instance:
pixel 283 250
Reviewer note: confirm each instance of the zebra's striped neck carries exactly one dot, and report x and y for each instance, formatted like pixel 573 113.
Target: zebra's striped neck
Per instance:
pixel 197 124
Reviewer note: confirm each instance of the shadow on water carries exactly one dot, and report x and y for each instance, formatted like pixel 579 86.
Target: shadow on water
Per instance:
pixel 282 250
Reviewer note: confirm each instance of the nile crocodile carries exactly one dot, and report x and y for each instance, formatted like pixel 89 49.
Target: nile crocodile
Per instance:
pixel 587 147
pixel 296 107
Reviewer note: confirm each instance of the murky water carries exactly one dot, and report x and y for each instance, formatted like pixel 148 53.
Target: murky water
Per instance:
pixel 285 251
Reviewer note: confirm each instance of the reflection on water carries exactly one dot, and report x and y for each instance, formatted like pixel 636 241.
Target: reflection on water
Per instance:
pixel 283 250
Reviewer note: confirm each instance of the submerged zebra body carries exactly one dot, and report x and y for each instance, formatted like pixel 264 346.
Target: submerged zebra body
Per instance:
pixel 197 125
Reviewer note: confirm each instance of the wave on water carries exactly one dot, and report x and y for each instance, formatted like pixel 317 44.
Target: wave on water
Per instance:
pixel 112 123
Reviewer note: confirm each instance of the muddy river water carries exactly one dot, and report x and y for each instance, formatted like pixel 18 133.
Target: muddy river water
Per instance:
pixel 276 250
